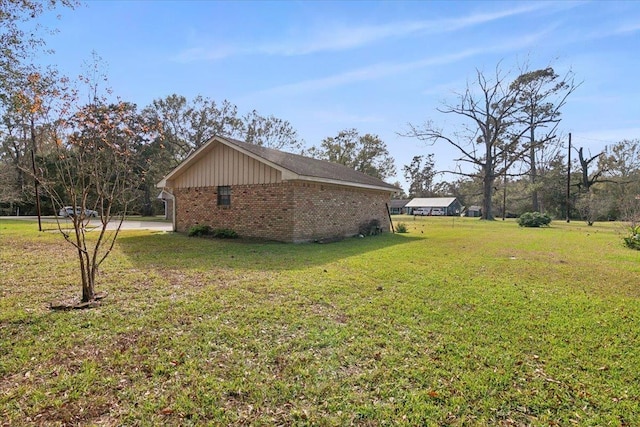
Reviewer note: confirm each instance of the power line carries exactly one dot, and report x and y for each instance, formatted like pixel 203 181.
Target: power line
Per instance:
pixel 601 140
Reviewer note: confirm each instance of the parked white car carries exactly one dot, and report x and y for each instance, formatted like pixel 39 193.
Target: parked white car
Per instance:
pixel 430 211
pixel 422 211
pixel 68 211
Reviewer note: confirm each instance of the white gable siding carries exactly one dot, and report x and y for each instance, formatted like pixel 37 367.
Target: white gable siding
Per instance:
pixel 223 165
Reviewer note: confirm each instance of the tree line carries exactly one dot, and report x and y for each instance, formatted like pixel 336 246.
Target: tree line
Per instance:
pixel 512 155
pixel 41 124
pixel 604 186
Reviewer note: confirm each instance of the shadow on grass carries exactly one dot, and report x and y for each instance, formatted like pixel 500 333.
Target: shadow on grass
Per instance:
pixel 177 251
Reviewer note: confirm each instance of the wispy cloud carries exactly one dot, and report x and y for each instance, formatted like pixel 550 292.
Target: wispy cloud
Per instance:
pixel 350 37
pixel 205 54
pixel 599 32
pixel 381 70
pixel 340 37
pixel 333 116
pixel 580 37
pixel 601 137
pixel 444 88
pixel 628 28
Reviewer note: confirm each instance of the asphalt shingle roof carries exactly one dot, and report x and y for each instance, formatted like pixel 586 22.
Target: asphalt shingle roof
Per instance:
pixel 310 167
pixel 431 202
pixel 398 203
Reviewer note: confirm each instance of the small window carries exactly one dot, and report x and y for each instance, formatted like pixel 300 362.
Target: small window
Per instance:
pixel 224 195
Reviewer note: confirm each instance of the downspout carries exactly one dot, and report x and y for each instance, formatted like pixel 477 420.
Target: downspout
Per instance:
pixel 390 221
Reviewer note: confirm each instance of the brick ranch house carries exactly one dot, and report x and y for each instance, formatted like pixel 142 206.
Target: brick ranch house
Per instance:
pixel 265 193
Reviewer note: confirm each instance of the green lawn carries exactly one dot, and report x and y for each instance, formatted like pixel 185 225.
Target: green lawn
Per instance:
pixel 458 322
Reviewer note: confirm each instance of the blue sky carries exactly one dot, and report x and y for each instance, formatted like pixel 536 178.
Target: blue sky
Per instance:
pixel 375 66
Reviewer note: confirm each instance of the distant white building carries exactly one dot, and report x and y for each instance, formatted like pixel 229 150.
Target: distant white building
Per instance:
pixel 434 206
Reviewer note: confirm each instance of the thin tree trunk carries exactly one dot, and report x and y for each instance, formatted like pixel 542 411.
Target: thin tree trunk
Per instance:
pixel 88 293
pixel 87 287
pixel 534 172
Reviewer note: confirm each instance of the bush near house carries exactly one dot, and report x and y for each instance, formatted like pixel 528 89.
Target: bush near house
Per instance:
pixel 199 230
pixel 401 228
pixel 224 233
pixel 633 239
pixel 370 228
pixel 205 230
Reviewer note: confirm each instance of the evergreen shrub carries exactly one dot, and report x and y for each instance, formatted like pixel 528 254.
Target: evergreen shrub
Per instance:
pixel 199 230
pixel 534 219
pixel 632 241
pixel 224 233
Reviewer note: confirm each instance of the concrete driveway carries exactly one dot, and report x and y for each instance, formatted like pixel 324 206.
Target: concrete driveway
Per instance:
pixel 48 222
pixel 143 225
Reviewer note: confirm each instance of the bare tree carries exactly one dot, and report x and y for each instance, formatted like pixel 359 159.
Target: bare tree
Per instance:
pixel 484 139
pixel 587 178
pixel 93 172
pixel 542 93
pixel 91 169
pixel 589 204
pixel 490 138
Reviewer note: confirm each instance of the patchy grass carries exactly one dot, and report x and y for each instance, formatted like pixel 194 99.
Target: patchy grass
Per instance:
pixel 457 322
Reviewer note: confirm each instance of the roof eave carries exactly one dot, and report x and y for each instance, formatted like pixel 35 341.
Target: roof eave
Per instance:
pixel 338 182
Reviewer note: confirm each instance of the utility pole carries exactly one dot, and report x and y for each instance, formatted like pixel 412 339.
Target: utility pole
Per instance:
pixel 569 180
pixel 504 190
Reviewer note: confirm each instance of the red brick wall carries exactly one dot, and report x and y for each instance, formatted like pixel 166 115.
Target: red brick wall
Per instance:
pixel 291 211
pixel 260 210
pixel 324 210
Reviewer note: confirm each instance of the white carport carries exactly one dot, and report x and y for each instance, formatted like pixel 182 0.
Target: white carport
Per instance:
pixel 446 205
